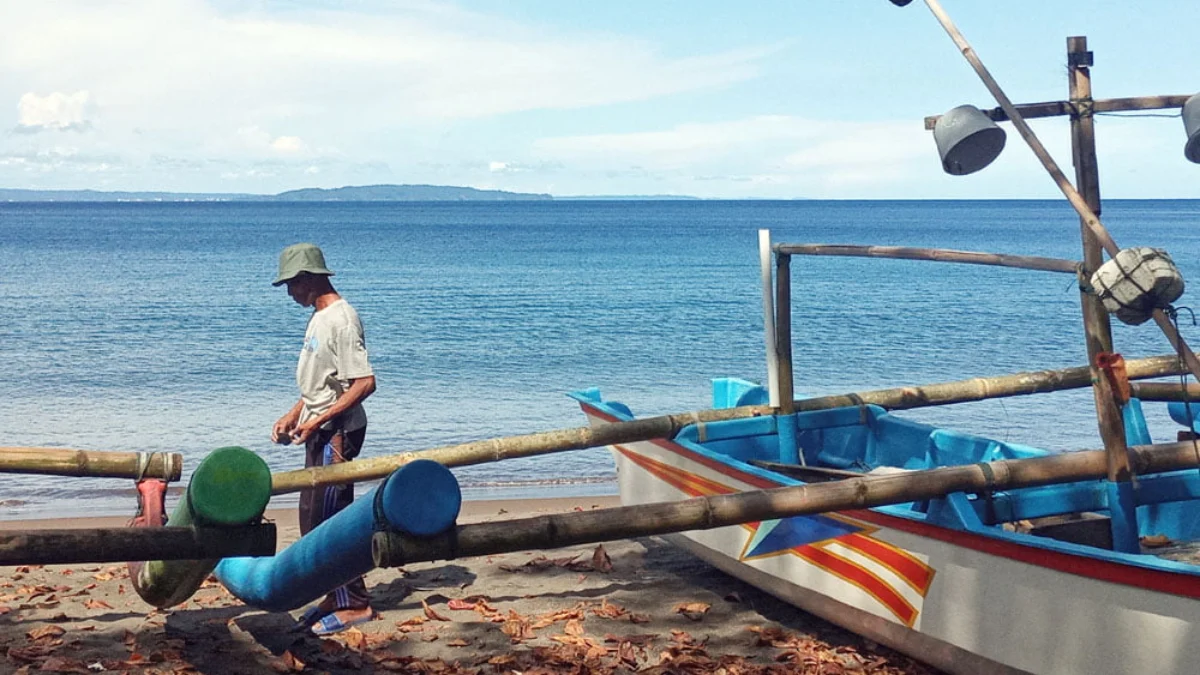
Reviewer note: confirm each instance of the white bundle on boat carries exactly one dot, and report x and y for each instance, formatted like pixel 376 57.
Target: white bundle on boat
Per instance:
pixel 1136 282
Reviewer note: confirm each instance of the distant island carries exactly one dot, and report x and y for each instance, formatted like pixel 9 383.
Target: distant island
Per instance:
pixel 356 193
pixel 404 193
pixel 362 193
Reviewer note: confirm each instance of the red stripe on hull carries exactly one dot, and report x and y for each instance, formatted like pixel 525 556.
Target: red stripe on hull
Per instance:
pixel 916 573
pixel 862 578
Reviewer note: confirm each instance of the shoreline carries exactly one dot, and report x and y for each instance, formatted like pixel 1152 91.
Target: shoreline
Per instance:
pixel 621 606
pixel 107 508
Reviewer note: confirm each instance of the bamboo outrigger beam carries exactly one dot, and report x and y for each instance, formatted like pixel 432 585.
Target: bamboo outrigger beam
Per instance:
pixel 933 254
pixel 1166 391
pixel 93 463
pixel 119 544
pixel 391 549
pixel 666 426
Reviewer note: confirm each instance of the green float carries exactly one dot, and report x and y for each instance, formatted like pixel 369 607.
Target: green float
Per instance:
pixel 230 488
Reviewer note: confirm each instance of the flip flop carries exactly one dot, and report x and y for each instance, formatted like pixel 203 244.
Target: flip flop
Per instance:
pixel 330 623
pixel 309 617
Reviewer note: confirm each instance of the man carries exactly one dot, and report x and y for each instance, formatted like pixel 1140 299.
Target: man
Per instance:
pixel 334 377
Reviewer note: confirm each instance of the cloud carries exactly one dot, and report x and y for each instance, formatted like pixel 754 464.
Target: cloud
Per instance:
pixel 288 145
pixel 259 142
pixel 54 112
pixel 159 60
pixel 772 155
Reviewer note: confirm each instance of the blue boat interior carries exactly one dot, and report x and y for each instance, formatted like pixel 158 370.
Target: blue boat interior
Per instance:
pixel 845 442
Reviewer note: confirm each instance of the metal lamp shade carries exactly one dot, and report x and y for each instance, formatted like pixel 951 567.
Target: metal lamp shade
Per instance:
pixel 969 140
pixel 1191 124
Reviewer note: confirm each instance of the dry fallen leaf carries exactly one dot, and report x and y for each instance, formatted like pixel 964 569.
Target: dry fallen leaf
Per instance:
pixel 286 663
pixel 354 638
pixel 45 631
pixel 411 625
pixel 692 610
pixel 96 603
pixel 432 614
pixel 600 560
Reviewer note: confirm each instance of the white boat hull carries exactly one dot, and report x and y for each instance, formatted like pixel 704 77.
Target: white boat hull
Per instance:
pixel 986 604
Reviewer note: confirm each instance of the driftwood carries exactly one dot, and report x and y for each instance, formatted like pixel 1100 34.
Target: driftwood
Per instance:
pixel 119 544
pixel 391 549
pixel 94 463
pixel 479 452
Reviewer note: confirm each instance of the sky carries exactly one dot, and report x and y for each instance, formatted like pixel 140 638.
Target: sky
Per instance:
pixel 732 100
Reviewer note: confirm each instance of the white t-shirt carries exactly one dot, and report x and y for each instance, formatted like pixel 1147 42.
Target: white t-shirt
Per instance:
pixel 334 352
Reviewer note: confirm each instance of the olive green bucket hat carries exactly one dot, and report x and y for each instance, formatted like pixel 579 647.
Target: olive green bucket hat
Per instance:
pixel 299 258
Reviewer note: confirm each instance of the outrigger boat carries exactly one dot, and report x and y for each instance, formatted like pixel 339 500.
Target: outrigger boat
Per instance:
pixel 1066 576
pixel 950 580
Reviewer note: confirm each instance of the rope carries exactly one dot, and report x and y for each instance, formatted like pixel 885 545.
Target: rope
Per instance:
pixel 1120 114
pixel 143 463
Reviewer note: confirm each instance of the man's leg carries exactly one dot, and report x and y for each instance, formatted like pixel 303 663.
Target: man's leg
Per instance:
pixel 351 600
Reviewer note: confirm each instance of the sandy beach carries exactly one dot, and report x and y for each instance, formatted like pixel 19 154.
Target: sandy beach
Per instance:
pixel 624 606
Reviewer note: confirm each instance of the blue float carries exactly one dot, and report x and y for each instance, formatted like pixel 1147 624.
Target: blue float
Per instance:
pixel 421 498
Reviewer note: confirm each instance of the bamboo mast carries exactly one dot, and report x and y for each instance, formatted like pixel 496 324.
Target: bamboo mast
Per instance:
pixel 93 463
pixel 789 447
pixel 783 330
pixel 1096 325
pixel 666 426
pixel 1077 201
pixel 391 549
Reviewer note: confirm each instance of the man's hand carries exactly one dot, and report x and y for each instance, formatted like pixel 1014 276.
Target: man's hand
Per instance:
pixel 301 433
pixel 284 427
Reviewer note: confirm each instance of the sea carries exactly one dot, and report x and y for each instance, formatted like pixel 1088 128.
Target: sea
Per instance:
pixel 154 326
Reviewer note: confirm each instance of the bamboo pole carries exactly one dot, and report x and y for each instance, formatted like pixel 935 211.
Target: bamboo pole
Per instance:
pixel 783 329
pixel 529 445
pixel 764 266
pixel 93 463
pixel 934 254
pixel 119 544
pixel 391 549
pixel 1166 391
pixel 1096 327
pixel 1060 108
pixel 1077 201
